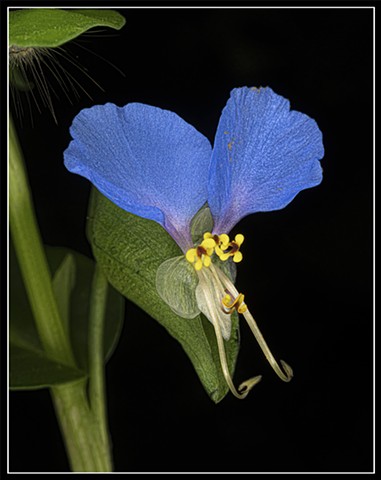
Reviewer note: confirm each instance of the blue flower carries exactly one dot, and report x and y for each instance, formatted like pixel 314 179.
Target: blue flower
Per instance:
pixel 150 162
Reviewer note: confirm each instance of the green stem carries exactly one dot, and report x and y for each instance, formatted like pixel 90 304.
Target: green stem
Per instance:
pixel 80 429
pixel 97 390
pixel 32 259
pixel 84 436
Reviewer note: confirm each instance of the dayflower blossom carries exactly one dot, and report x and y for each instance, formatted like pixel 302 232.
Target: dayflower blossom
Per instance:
pixel 151 163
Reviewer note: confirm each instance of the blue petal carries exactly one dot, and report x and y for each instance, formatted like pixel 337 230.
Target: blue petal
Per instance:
pixel 264 154
pixel 147 160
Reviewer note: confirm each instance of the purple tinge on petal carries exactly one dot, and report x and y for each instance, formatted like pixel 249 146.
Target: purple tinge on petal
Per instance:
pixel 264 154
pixel 146 160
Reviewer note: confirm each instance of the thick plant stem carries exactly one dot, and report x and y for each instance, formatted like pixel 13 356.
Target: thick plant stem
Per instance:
pixel 83 433
pixel 32 259
pixel 80 429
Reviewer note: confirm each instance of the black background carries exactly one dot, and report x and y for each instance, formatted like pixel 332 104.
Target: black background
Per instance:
pixel 307 271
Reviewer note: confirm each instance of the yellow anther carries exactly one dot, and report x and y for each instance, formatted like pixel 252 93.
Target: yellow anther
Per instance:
pixel 237 257
pixel 198 264
pixel 222 244
pixel 223 256
pixel 208 244
pixel 226 248
pixel 207 260
pixel 220 240
pixel 239 239
pixel 191 255
pixel 200 256
pixel 224 241
pixel 227 300
pixel 242 308
pixel 238 304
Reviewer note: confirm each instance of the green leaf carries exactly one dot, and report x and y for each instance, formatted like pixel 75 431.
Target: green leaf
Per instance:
pixel 22 329
pixel 32 369
pixel 80 305
pixel 25 347
pixel 52 27
pixel 63 284
pixel 130 250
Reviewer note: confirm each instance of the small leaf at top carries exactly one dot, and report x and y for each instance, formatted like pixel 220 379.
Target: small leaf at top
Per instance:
pixel 52 27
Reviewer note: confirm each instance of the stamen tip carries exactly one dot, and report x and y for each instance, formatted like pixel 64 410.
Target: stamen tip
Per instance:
pixel 288 370
pixel 247 385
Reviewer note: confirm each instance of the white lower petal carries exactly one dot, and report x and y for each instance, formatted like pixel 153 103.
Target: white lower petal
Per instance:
pixel 209 294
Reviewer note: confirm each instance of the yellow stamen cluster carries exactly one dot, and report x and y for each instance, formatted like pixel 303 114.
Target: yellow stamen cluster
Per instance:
pixel 226 248
pixel 201 255
pixel 238 303
pixel 220 244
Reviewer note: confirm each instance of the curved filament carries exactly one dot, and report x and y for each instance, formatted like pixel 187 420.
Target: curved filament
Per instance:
pixel 245 387
pixel 285 375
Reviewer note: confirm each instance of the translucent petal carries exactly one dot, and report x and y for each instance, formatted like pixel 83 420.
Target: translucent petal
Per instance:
pixel 209 295
pixel 176 282
pixel 264 154
pixel 228 268
pixel 146 160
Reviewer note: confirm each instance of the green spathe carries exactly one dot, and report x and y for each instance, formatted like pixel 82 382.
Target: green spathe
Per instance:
pixel 130 250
